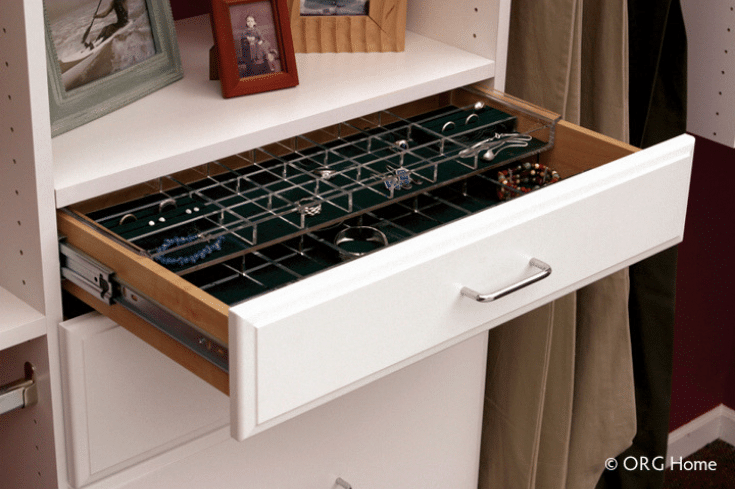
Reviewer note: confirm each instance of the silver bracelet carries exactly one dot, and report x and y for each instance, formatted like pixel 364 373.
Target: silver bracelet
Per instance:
pixel 365 234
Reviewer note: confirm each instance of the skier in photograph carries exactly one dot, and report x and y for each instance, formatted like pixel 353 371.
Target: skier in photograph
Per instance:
pixel 121 10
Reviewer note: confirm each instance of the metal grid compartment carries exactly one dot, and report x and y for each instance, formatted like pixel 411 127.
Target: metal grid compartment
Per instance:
pixel 252 222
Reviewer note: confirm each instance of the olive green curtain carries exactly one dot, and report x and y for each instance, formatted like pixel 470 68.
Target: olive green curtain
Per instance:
pixel 560 391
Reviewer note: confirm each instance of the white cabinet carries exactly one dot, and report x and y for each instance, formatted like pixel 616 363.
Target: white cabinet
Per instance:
pixel 325 380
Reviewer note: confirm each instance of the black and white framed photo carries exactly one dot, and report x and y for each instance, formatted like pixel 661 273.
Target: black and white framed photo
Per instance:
pixel 322 8
pixel 105 54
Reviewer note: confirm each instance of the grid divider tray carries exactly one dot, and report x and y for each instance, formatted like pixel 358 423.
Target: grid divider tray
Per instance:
pixel 243 225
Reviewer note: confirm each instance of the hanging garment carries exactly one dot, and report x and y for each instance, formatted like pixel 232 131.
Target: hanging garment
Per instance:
pixel 559 395
pixel 559 398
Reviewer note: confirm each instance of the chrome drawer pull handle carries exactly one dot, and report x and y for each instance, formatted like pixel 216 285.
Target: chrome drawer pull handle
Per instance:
pixel 21 393
pixel 544 271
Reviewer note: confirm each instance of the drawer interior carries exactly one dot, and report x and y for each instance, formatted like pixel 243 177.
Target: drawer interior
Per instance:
pixel 199 241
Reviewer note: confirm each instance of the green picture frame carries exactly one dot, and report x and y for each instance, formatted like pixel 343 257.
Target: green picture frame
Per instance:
pixel 86 77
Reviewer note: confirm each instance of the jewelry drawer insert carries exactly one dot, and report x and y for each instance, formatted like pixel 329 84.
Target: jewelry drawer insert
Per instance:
pixel 245 225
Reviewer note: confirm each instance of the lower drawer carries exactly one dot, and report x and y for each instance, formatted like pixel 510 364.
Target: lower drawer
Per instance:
pixel 284 352
pixel 140 421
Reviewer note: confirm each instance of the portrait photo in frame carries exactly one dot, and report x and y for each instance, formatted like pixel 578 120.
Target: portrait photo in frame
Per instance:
pixel 253 44
pixel 348 26
pixel 105 54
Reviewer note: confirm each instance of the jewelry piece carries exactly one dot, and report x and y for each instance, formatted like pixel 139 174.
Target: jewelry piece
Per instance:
pixel 491 153
pixel 524 178
pixel 356 234
pixel 448 125
pixel 471 118
pixel 127 218
pixel 402 144
pixel 324 172
pixel 402 178
pixel 479 105
pixel 497 140
pixel 185 260
pixel 309 207
pixel 166 205
pixel 392 182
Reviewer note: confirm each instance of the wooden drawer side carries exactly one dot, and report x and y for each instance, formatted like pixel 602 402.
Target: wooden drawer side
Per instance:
pixel 157 284
pixel 147 277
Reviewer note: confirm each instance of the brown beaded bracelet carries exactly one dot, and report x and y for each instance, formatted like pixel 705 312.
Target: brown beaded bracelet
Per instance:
pixel 524 178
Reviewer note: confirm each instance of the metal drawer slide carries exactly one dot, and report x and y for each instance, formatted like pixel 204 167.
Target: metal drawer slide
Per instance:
pixel 100 281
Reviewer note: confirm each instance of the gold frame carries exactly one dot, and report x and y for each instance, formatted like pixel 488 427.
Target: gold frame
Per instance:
pixel 382 30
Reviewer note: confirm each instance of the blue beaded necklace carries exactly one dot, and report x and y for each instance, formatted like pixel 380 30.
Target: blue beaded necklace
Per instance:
pixel 190 259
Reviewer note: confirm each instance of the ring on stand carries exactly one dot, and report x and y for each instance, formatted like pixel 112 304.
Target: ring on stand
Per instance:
pixel 166 205
pixel 448 126
pixel 471 118
pixel 127 218
pixel 364 238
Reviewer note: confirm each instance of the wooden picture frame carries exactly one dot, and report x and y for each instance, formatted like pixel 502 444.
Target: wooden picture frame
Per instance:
pixel 97 65
pixel 253 45
pixel 383 29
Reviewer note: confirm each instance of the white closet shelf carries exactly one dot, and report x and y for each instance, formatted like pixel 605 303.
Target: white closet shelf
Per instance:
pixel 19 322
pixel 189 123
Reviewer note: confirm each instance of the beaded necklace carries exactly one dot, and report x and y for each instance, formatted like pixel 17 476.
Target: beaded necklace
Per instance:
pixel 181 261
pixel 524 178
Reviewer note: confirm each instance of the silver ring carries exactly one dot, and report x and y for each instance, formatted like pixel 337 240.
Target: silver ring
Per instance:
pixel 364 234
pixel 127 218
pixel 471 118
pixel 448 125
pixel 324 172
pixel 164 206
pixel 479 105
pixel 402 144
pixel 309 207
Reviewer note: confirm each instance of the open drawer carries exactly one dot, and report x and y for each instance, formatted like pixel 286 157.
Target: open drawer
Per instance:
pixel 292 274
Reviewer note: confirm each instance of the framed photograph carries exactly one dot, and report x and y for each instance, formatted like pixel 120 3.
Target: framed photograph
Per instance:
pixel 348 26
pixel 254 46
pixel 105 54
pixel 323 8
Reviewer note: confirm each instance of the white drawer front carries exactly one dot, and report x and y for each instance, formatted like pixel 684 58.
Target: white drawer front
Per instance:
pixel 300 346
pixel 137 420
pixel 125 401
